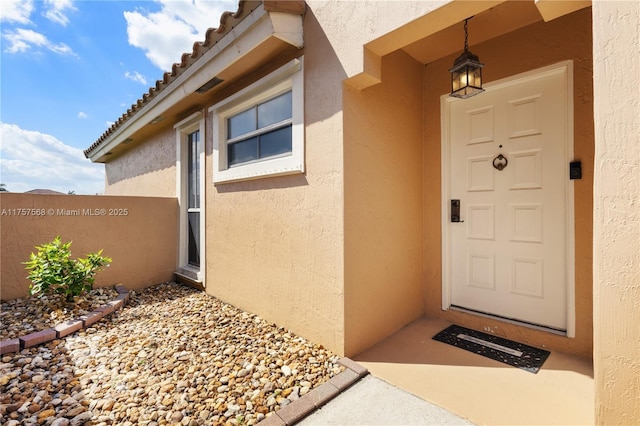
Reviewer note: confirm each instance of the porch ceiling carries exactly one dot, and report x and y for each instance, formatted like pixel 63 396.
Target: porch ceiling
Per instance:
pixel 501 19
pixel 440 32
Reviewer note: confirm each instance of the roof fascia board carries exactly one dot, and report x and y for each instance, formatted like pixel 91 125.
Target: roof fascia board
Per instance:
pixel 249 33
pixel 290 6
pixel 288 28
pixel 255 27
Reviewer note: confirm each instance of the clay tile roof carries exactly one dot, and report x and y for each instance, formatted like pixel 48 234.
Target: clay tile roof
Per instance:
pixel 227 21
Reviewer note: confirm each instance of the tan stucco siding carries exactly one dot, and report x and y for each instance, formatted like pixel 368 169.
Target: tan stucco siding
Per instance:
pixel 138 233
pixel 147 169
pixel 616 42
pixel 529 48
pixel 349 25
pixel 383 204
pixel 274 245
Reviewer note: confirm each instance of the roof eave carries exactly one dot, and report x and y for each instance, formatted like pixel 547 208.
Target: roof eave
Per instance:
pixel 246 37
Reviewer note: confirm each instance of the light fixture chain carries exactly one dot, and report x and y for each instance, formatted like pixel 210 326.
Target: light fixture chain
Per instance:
pixel 466 35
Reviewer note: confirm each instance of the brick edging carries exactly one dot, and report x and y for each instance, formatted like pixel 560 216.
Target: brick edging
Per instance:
pixel 68 327
pixel 300 408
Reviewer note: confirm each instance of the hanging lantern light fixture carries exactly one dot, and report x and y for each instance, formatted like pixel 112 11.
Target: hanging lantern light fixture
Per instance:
pixel 466 74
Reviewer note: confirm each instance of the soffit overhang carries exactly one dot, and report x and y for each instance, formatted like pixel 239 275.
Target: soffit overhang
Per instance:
pixel 245 41
pixel 439 33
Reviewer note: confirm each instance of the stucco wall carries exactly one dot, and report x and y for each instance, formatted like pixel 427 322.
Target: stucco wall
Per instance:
pixel 147 169
pixel 616 43
pixel 140 240
pixel 531 47
pixel 274 245
pixel 349 25
pixel 383 204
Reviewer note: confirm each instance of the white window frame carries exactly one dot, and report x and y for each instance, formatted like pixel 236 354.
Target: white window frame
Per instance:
pixel 288 77
pixel 184 128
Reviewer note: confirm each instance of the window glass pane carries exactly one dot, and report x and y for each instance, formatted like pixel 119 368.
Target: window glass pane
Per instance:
pixel 276 142
pixel 243 151
pixel 274 110
pixel 193 170
pixel 194 238
pixel 242 123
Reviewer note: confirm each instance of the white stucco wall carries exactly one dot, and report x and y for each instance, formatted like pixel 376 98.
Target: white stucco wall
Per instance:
pixel 616 275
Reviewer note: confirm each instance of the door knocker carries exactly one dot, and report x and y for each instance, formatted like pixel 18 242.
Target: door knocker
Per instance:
pixel 500 162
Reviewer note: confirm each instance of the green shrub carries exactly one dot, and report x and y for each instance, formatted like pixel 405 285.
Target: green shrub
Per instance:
pixel 53 271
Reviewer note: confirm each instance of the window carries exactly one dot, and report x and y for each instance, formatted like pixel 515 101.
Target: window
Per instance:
pixel 193 206
pixel 259 131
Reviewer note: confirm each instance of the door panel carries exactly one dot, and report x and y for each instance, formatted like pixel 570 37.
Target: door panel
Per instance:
pixel 508 254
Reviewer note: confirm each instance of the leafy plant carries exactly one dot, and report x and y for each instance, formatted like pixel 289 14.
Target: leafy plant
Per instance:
pixel 53 271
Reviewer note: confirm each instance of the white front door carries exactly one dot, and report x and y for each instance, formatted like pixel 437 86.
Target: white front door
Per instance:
pixel 507 165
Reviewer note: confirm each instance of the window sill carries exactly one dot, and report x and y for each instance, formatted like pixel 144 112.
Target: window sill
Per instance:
pixel 259 170
pixel 190 275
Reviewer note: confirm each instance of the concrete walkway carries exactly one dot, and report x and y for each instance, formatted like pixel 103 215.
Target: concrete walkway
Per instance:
pixel 372 401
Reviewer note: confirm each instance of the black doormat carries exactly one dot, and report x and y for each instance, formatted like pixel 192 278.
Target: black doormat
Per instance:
pixel 506 351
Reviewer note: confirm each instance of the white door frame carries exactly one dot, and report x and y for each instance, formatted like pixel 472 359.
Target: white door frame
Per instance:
pixel 565 67
pixel 195 122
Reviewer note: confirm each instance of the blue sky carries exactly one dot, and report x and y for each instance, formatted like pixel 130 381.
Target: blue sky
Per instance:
pixel 69 69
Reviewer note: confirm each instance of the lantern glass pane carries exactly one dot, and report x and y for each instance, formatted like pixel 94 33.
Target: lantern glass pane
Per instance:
pixel 477 78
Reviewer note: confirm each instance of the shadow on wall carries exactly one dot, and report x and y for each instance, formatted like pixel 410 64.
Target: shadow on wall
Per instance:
pixel 138 233
pixel 149 156
pixel 277 182
pixel 323 75
pixel 323 98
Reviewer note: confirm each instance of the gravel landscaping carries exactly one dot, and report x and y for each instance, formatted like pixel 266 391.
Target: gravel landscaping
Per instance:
pixel 27 315
pixel 173 355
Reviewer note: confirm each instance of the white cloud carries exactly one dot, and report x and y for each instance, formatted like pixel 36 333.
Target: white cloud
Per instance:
pixel 18 11
pixel 136 76
pixel 34 160
pixel 57 10
pixel 22 40
pixel 82 114
pixel 167 34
